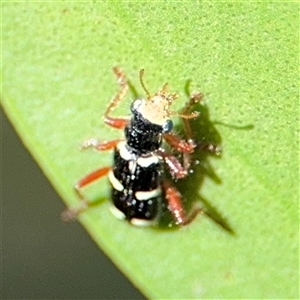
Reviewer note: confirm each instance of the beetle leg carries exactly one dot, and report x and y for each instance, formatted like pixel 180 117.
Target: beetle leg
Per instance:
pixel 193 99
pixel 174 200
pixel 186 147
pixel 89 179
pixel 100 146
pixel 179 144
pixel 119 123
pixel 177 170
pixel 72 213
pixel 215 149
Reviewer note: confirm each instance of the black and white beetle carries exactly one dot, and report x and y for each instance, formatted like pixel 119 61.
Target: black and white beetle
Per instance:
pixel 139 186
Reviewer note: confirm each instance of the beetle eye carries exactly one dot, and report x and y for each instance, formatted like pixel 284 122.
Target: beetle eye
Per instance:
pixel 168 126
pixel 135 105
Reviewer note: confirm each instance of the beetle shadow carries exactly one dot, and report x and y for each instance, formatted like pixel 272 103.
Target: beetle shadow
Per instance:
pixel 204 133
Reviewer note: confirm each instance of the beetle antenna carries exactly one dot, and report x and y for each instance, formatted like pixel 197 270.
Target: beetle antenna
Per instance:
pixel 191 115
pixel 164 89
pixel 142 71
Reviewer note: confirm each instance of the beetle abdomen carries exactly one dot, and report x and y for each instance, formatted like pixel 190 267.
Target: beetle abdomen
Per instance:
pixel 136 184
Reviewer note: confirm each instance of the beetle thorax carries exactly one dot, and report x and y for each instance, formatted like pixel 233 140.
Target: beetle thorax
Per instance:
pixel 155 110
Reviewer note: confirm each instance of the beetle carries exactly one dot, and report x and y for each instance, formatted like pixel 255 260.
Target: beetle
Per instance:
pixel 139 186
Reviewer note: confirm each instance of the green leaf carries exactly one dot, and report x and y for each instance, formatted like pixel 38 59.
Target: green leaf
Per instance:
pixel 56 82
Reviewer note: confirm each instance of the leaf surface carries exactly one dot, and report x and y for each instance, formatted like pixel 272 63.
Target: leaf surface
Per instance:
pixel 56 82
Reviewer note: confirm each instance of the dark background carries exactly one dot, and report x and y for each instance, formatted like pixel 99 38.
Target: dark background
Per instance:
pixel 43 257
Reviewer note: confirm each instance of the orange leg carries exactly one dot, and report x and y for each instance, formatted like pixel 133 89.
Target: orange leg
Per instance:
pixel 186 147
pixel 179 144
pixel 177 170
pixel 89 179
pixel 100 146
pixel 72 213
pixel 174 200
pixel 118 123
pixel 193 99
